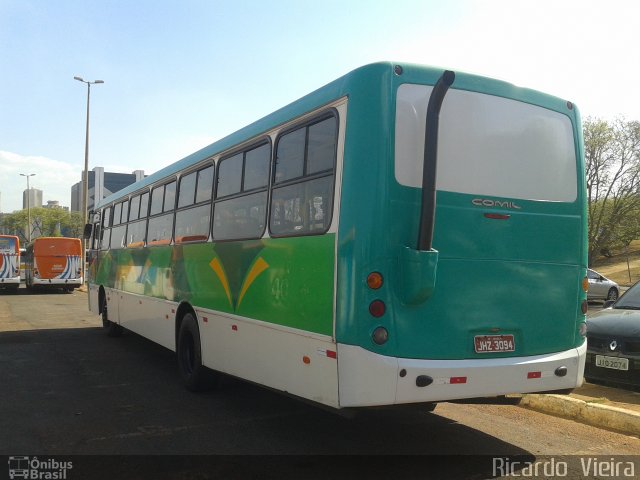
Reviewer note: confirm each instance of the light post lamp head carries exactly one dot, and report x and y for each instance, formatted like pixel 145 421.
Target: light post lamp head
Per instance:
pixel 80 79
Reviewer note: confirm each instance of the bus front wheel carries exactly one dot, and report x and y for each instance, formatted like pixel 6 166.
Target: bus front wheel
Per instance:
pixel 195 375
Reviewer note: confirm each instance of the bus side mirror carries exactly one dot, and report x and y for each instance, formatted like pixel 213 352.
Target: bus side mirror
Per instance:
pixel 88 230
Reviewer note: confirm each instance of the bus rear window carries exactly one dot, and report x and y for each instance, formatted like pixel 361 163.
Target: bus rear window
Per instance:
pixel 488 145
pixel 8 245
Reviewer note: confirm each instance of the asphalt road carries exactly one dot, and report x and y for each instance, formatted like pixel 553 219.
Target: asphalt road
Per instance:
pixel 68 389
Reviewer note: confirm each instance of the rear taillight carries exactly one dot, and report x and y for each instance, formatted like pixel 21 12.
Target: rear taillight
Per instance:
pixel 584 307
pixel 380 336
pixel 377 308
pixel 375 280
pixel 583 330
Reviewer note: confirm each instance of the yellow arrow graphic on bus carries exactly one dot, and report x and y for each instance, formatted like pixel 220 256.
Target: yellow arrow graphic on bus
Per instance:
pixel 258 267
pixel 217 267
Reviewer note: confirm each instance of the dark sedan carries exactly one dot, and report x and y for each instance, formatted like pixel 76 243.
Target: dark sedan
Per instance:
pixel 613 336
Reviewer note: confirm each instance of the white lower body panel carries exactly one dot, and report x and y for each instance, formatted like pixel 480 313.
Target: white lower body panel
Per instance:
pixel 369 379
pixel 153 318
pixel 10 281
pixel 285 359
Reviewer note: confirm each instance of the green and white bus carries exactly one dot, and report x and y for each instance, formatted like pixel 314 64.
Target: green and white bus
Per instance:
pixel 401 235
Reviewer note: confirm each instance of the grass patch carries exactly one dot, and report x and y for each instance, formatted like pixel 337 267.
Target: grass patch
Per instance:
pixel 616 267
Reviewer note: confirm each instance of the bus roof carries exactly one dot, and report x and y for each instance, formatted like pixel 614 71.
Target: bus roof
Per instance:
pixel 326 94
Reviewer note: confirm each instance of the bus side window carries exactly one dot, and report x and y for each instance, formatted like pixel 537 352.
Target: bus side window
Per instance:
pixel 105 238
pixel 125 211
pixel 205 185
pixel 187 190
pixel 135 233
pixel 117 212
pixel 192 224
pixel 240 217
pixel 160 229
pixel 157 197
pixel 95 237
pixel 105 231
pixel 302 194
pixel 134 208
pixel 160 224
pixel 230 176
pixel 169 197
pixel 118 236
pixel 241 198
pixel 144 205
pixel 302 208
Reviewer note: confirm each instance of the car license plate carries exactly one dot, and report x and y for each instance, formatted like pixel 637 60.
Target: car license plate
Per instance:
pixel 616 363
pixel 494 343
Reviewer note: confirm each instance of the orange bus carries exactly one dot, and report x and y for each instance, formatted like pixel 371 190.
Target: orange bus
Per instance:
pixel 9 262
pixel 54 262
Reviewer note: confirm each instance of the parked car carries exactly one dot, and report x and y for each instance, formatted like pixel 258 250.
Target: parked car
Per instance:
pixel 601 288
pixel 613 341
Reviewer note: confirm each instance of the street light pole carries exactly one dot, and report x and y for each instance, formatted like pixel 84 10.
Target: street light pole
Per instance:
pixel 85 176
pixel 28 205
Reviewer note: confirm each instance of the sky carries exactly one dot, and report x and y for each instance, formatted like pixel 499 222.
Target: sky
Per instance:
pixel 180 74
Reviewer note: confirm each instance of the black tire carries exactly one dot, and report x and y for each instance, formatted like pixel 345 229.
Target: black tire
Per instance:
pixel 430 407
pixel 612 295
pixel 112 329
pixel 195 375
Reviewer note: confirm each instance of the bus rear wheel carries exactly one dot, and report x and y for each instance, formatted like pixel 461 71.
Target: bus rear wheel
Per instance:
pixel 111 328
pixel 195 375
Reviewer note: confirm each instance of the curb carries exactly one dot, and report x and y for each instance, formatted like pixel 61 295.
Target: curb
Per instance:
pixel 591 413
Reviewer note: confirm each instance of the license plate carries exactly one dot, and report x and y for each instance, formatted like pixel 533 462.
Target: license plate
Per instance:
pixel 494 343
pixel 616 363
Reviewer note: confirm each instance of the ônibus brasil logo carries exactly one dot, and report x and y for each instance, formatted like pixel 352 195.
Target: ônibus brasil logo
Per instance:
pixel 36 469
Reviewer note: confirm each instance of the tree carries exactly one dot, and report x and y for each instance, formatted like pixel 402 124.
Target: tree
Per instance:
pixel 45 222
pixel 612 157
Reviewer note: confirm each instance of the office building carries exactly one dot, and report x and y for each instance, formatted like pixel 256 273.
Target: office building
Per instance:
pixel 101 185
pixel 34 200
pixel 56 205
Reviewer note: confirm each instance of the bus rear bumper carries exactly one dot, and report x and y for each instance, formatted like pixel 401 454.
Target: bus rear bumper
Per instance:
pixel 369 379
pixel 10 281
pixel 57 282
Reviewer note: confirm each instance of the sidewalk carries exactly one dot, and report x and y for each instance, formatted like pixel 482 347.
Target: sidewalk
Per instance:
pixel 601 406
